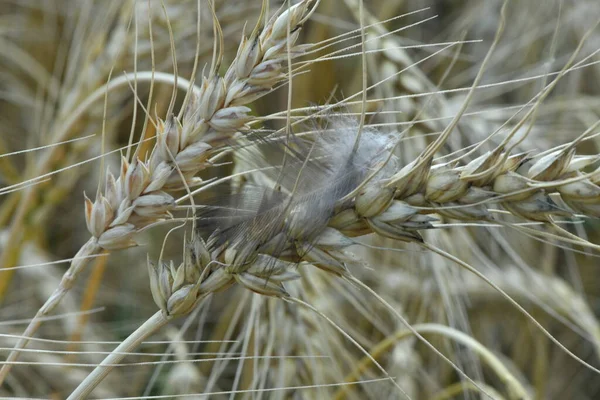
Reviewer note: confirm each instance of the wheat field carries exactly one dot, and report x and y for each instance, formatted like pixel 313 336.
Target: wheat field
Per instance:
pixel 299 199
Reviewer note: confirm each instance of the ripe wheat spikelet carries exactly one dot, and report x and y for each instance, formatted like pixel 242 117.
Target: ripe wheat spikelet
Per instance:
pixel 313 193
pixel 77 108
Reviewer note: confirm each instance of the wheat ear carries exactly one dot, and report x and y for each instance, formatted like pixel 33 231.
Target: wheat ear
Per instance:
pixel 139 196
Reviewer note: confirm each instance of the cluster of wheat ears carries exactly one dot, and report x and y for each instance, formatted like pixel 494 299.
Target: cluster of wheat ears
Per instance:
pixel 429 236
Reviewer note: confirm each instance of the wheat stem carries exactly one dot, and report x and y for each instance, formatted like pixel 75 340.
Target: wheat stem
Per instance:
pixel 79 262
pixel 88 300
pixel 152 324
